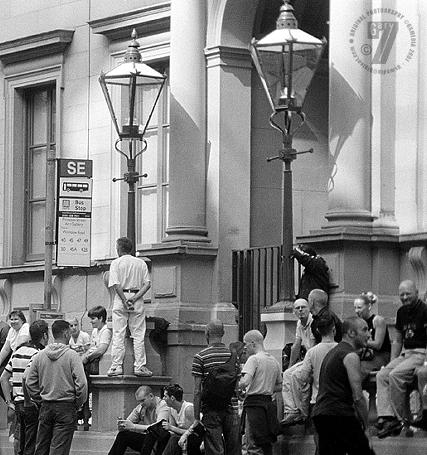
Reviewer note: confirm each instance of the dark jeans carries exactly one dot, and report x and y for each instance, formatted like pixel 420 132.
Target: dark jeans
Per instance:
pixel 91 367
pixel 31 421
pixel 219 424
pixel 125 439
pixel 19 426
pixel 57 424
pixel 193 445
pixel 340 435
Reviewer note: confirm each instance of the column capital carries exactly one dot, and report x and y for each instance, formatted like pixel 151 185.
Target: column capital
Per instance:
pixel 236 57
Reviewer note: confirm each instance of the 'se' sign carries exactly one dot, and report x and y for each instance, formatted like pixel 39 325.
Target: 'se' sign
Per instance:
pixel 75 168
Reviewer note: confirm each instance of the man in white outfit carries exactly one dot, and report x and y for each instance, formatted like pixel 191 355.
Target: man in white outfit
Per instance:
pixel 130 279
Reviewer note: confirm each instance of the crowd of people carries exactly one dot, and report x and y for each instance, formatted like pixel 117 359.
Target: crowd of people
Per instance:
pixel 235 407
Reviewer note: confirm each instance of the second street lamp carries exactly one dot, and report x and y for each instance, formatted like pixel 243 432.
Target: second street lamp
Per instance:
pixel 131 91
pixel 286 60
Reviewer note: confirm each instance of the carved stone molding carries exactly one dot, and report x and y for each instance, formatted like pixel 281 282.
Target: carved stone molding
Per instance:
pixel 34 46
pixel 417 257
pixel 5 296
pixel 153 19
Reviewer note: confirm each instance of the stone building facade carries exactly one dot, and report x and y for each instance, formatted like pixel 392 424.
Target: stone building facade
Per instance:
pixel 360 198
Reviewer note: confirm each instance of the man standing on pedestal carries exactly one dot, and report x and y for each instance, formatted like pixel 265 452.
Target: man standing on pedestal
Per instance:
pixel 130 279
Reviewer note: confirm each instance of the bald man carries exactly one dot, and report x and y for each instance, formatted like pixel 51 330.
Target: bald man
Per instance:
pixel 303 334
pixel 221 420
pixel 319 305
pixel 341 429
pixel 261 378
pixel 393 380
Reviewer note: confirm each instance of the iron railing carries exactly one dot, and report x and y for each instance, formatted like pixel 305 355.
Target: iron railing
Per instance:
pixel 255 284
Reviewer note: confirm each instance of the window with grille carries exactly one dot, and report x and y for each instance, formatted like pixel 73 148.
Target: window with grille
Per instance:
pixel 152 191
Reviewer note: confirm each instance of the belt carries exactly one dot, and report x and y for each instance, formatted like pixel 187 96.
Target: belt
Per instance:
pixel 131 290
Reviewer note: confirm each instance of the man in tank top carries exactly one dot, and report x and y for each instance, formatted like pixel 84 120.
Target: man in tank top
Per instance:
pixel 180 424
pixel 340 414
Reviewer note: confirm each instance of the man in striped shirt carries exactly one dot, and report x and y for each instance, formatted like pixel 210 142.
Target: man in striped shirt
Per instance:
pixel 14 370
pixel 220 422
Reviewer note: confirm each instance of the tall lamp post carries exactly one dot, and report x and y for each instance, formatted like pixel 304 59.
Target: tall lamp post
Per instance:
pixel 131 91
pixel 286 60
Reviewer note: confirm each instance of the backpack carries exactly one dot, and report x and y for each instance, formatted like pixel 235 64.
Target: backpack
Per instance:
pixel 219 384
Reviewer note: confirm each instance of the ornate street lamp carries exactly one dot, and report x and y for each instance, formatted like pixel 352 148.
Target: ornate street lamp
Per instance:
pixel 131 91
pixel 286 60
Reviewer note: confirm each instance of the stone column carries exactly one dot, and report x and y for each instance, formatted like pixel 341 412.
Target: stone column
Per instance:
pixel 350 118
pixel 228 175
pixel 187 167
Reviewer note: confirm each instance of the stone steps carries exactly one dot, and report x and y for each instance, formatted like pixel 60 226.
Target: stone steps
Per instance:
pixel 304 445
pixel 96 443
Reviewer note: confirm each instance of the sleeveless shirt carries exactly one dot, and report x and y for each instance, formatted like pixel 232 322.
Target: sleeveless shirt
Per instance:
pixel 335 397
pixel 181 420
pixel 386 346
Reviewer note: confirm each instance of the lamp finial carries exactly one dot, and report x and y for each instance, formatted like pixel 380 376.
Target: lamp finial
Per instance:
pixel 132 53
pixel 286 18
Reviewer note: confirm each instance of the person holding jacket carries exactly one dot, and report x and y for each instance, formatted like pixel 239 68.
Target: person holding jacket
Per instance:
pixel 316 271
pixel 56 381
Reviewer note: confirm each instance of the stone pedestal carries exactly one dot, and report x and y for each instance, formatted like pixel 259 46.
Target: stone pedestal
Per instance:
pixel 281 324
pixel 114 397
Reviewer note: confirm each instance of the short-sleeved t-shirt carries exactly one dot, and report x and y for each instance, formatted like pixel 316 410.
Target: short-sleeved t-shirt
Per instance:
pixel 310 368
pixel 143 416
pixel 209 358
pixel 265 371
pixel 16 338
pixel 82 340
pixel 97 338
pixel 411 321
pixel 304 333
pixel 19 361
pixel 128 272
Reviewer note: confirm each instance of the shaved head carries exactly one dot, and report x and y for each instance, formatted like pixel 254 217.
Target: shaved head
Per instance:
pixel 254 336
pixel 351 324
pixel 317 300
pixel 215 329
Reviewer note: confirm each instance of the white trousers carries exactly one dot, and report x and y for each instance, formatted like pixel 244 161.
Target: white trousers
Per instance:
pixel 296 391
pixel 136 321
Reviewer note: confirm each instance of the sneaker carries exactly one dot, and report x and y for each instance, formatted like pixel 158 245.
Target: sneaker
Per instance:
pixel 391 428
pixel 409 431
pixel 143 372
pixel 115 371
pixel 292 418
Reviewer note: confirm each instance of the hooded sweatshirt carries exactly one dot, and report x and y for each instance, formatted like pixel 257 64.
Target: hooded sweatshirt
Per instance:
pixel 57 374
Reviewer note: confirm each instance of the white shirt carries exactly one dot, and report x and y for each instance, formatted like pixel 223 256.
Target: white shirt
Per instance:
pixel 82 340
pixel 97 338
pixel 181 418
pixel 304 333
pixel 16 338
pixel 311 366
pixel 128 272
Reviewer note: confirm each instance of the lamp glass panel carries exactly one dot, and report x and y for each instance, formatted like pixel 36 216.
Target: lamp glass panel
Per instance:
pixel 145 98
pixel 287 72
